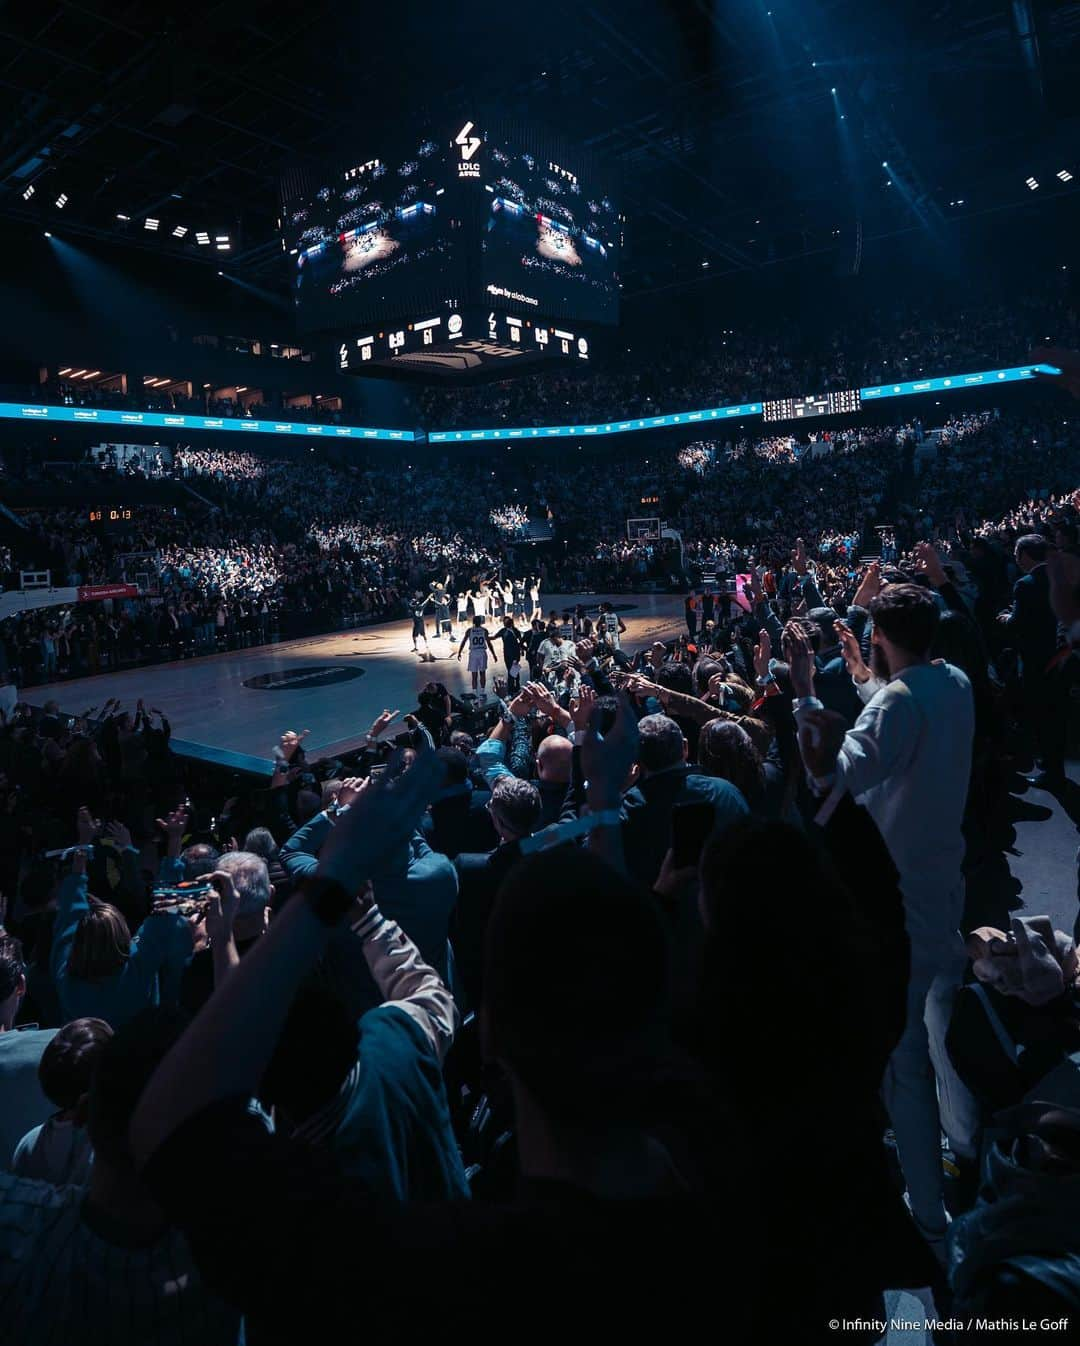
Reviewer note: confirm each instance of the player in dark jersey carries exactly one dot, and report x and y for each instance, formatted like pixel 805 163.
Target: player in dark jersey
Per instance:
pixel 418 608
pixel 611 626
pixel 479 643
pixel 512 648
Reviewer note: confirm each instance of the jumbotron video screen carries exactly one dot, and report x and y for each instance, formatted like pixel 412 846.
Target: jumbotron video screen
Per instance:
pixel 371 239
pixel 552 231
pixel 493 215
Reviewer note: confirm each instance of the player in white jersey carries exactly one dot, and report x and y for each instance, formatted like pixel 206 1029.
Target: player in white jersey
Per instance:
pixel 534 596
pixel 481 601
pixel 462 609
pixel 479 643
pixel 611 626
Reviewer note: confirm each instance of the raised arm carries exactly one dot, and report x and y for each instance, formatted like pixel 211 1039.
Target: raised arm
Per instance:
pixel 226 1049
pixel 405 980
pixel 72 904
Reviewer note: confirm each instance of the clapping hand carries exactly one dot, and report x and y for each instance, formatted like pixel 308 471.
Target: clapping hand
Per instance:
pixel 929 563
pixel 762 653
pixel 869 585
pixel 173 825
pixel 520 706
pixel 221 906
pixel 800 662
pixel 541 697
pixel 849 649
pixel 582 707
pixel 351 788
pixel 119 835
pixel 380 821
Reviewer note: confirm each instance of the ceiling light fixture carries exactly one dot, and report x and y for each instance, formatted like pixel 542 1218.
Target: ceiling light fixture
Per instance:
pixel 152 224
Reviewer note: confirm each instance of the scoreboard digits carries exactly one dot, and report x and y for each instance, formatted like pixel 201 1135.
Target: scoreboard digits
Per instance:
pixel 814 404
pixel 109 516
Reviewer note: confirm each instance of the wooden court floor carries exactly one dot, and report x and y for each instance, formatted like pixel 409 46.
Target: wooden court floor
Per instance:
pixel 333 685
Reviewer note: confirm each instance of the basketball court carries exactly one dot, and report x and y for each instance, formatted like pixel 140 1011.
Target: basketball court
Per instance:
pixel 232 707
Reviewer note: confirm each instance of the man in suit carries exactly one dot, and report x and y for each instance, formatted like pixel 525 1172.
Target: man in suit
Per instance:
pixel 664 780
pixel 1031 629
pixel 515 810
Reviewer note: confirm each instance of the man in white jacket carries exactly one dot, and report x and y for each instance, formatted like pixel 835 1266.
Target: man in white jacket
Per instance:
pixel 908 760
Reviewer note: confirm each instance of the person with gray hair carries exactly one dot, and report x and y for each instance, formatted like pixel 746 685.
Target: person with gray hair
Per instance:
pixel 515 808
pixel 661 782
pixel 251 879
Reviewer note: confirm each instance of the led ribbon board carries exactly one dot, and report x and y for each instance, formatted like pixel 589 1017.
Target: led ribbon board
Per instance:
pixel 167 420
pixel 163 420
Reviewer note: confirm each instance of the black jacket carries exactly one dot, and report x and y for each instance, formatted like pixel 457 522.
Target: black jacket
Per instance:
pixel 479 879
pixel 1031 624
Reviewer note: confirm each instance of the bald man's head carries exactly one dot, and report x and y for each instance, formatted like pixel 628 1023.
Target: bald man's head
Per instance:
pixel 553 759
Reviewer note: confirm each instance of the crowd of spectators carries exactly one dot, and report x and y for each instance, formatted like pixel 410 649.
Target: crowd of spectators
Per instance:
pixel 290 545
pixel 513 520
pixel 835 352
pixel 536 987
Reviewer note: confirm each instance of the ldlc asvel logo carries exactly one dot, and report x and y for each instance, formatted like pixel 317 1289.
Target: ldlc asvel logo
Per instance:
pixel 468 166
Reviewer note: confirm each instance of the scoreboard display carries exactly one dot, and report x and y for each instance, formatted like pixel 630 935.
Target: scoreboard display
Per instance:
pixel 469 214
pixel 814 404
pixel 461 342
pixel 112 516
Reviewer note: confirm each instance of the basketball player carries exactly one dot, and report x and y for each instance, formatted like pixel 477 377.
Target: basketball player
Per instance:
pixel 506 588
pixel 463 609
pixel 479 643
pixel 612 626
pixel 534 596
pixel 419 626
pixel 513 642
pixel 481 602
pixel 441 599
